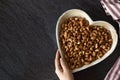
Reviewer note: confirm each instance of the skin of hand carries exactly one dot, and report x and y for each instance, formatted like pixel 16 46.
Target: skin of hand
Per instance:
pixel 61 68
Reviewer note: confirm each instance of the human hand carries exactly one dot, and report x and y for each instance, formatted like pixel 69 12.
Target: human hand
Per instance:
pixel 61 68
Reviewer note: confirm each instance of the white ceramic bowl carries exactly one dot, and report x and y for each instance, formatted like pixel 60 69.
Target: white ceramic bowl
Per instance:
pixel 80 13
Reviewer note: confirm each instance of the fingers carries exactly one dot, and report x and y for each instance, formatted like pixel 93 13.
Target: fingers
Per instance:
pixel 63 64
pixel 57 62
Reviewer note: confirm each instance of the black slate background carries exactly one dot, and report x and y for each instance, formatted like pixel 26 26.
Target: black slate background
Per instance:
pixel 28 42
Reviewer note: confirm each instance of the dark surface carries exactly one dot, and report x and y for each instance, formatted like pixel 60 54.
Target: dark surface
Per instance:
pixel 28 42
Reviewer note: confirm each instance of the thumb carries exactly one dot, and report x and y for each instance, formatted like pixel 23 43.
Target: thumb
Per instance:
pixel 63 64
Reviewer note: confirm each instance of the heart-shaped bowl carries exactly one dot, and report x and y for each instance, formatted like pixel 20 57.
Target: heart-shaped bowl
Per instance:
pixel 80 13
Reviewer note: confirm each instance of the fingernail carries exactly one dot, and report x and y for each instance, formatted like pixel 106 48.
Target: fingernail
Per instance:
pixel 60 59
